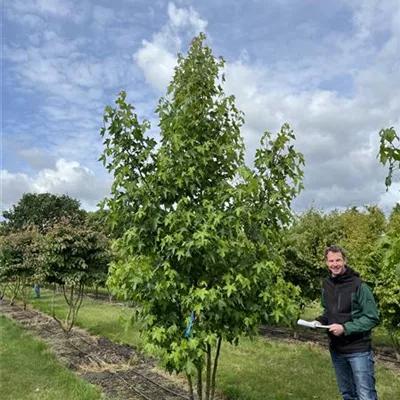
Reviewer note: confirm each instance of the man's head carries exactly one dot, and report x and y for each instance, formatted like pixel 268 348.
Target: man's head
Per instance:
pixel 335 258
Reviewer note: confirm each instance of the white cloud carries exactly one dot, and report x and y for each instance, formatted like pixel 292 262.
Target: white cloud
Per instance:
pixel 157 58
pixel 156 63
pixel 68 177
pixel 186 18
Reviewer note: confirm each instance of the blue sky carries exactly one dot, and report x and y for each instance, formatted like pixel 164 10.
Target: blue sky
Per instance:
pixel 329 69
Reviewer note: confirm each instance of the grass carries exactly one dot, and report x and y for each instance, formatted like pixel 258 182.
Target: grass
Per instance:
pixel 261 370
pixel 98 317
pixel 30 372
pixel 254 370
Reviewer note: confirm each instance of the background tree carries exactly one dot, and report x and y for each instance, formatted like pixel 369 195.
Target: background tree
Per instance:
pixel 99 220
pixel 360 233
pixel 42 210
pixel 200 255
pixel 394 219
pixel 303 250
pixel 20 260
pixel 75 257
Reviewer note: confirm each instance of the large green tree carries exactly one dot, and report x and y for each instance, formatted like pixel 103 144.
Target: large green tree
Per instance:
pixel 200 256
pixel 41 210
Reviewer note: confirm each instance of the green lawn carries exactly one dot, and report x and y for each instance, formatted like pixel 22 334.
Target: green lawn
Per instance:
pixel 30 372
pixel 255 370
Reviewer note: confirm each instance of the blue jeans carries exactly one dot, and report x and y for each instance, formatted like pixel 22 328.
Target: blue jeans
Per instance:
pixel 355 375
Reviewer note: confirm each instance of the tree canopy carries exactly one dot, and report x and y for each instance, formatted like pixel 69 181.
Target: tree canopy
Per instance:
pixel 41 210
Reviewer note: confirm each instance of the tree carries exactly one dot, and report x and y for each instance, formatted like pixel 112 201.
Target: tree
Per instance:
pixel 361 231
pixel 388 252
pixel 389 152
pixel 42 210
pixel 75 257
pixel 394 219
pixel 99 220
pixel 20 260
pixel 386 262
pixel 200 255
pixel 303 250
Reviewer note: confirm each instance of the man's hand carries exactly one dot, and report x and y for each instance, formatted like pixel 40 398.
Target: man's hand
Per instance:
pixel 336 329
pixel 315 322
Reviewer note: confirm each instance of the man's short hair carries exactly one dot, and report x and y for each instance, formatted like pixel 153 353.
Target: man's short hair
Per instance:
pixel 334 249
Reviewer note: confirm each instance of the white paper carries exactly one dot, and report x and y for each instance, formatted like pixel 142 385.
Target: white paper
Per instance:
pixel 313 324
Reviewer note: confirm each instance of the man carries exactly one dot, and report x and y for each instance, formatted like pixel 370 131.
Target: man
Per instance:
pixel 351 313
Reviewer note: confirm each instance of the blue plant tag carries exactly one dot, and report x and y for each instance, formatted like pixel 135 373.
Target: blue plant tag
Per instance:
pixel 190 324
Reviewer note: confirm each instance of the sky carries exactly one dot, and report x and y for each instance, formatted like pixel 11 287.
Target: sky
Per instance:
pixel 331 69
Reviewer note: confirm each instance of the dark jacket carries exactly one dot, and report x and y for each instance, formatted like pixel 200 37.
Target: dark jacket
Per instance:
pixel 348 301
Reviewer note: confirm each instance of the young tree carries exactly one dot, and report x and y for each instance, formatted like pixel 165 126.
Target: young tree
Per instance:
pixel 76 256
pixel 20 259
pixel 389 152
pixel 200 255
pixel 387 286
pixel 42 210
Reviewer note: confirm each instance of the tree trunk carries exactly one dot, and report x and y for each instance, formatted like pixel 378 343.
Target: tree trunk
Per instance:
pixel 208 372
pixel 199 381
pixel 53 297
pixel 396 344
pixel 191 394
pixel 77 305
pixel 15 290
pixel 215 367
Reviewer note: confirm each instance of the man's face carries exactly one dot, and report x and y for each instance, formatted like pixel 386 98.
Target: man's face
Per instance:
pixel 336 263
